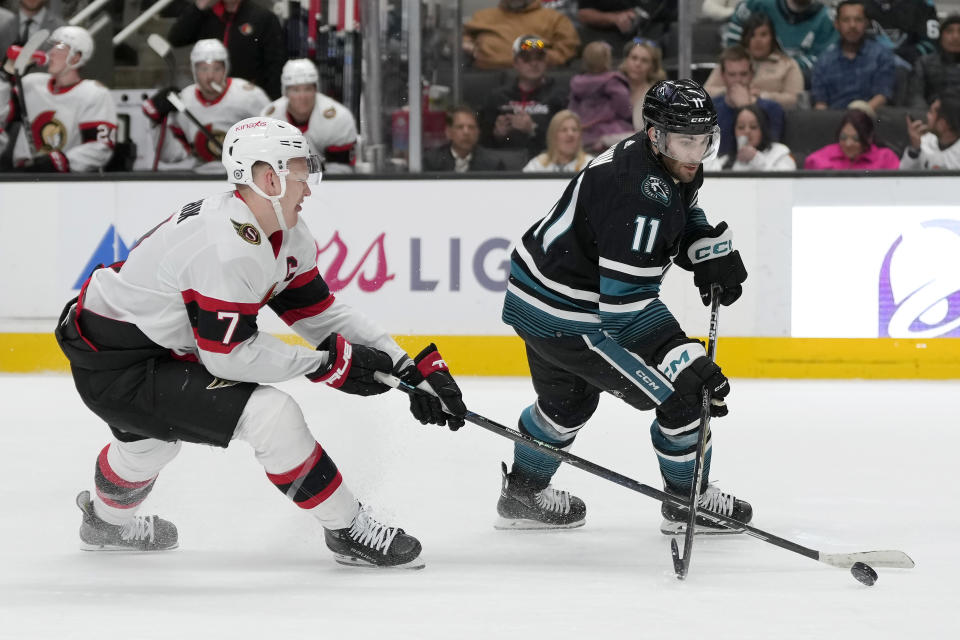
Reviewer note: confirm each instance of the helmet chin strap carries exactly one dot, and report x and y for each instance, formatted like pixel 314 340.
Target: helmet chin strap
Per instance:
pixel 274 200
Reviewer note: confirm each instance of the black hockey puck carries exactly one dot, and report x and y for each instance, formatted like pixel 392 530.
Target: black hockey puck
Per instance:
pixel 864 573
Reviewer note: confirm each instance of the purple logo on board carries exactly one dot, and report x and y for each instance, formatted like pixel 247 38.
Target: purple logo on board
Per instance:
pixel 919 294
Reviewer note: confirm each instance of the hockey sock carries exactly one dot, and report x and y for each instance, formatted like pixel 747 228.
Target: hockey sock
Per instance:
pixel 677 452
pixel 536 466
pixel 316 484
pixel 124 476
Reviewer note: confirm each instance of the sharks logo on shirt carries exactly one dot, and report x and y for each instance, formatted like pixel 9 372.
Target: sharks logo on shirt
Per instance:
pixel 656 189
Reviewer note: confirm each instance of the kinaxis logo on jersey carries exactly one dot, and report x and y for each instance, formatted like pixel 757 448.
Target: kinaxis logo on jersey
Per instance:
pixel 919 288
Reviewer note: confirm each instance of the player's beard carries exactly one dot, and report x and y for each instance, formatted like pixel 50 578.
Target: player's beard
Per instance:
pixel 680 170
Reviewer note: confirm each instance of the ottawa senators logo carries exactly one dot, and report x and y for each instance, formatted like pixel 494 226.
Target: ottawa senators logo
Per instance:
pixel 246 28
pixel 246 231
pixel 206 150
pixel 49 134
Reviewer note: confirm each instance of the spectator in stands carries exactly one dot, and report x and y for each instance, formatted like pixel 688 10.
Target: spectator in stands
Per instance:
pixel 856 68
pixel 909 28
pixel 327 125
pixel 736 71
pixel 601 97
pixel 935 73
pixel 462 153
pixel 855 147
pixel 643 66
pixel 718 10
pixel 216 100
pixel 755 150
pixel 516 115
pixel 936 143
pixel 619 21
pixel 73 122
pixel 804 27
pixel 564 152
pixel 251 34
pixel 32 15
pixel 489 35
pixel 776 76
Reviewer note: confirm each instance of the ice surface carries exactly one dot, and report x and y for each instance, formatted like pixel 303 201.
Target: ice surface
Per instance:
pixel 837 466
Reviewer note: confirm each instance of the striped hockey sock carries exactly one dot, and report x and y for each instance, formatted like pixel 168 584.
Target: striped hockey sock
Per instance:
pixel 535 465
pixel 316 485
pixel 677 451
pixel 117 498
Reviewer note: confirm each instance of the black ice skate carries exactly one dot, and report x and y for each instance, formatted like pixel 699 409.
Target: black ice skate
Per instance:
pixel 726 504
pixel 522 506
pixel 142 533
pixel 368 543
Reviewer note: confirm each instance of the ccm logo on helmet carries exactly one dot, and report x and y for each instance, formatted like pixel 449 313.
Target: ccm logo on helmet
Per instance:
pixel 699 119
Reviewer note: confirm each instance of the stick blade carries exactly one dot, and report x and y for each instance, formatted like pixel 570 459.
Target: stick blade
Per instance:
pixel 891 559
pixel 159 45
pixel 32 44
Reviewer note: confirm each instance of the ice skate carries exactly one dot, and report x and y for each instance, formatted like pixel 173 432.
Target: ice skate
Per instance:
pixel 369 543
pixel 726 504
pixel 141 533
pixel 522 506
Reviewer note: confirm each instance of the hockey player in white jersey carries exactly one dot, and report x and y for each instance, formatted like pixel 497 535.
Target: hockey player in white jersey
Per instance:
pixel 328 125
pixel 165 348
pixel 73 121
pixel 215 99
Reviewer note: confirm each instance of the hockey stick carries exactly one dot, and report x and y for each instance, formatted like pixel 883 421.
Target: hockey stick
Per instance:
pixel 892 558
pixel 162 48
pixel 182 108
pixel 682 564
pixel 23 61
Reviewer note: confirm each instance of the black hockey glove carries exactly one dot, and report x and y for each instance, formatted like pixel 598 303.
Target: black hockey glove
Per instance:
pixel 53 162
pixel 690 370
pixel 350 367
pixel 157 107
pixel 430 369
pixel 715 262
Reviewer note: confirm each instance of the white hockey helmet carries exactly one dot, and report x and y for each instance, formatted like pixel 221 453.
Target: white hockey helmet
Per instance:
pixel 275 142
pixel 208 50
pixel 301 71
pixel 77 40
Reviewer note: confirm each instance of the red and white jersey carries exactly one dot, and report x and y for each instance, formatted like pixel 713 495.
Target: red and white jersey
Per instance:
pixel 80 122
pixel 330 131
pixel 196 283
pixel 5 113
pixel 240 99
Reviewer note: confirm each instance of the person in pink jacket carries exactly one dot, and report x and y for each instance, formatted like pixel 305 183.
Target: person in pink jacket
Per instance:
pixel 855 148
pixel 601 97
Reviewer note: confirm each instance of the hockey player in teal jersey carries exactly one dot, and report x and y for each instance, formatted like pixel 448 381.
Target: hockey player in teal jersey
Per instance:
pixel 584 296
pixel 803 27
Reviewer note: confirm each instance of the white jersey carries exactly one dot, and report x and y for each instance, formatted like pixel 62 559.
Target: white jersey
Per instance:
pixel 76 125
pixel 330 131
pixel 240 99
pixel 196 282
pixel 5 114
pixel 932 156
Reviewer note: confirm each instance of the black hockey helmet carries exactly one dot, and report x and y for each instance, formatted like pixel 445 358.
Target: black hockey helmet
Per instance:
pixel 681 106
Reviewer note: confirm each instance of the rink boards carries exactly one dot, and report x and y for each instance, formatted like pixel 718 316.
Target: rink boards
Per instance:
pixel 849 277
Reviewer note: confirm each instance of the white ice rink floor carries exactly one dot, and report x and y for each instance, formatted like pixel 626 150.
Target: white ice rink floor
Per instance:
pixel 837 466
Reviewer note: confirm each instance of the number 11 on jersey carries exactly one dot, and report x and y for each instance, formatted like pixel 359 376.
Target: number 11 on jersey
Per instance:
pixel 651 235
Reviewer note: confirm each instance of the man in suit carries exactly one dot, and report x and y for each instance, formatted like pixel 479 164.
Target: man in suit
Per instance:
pixel 31 16
pixel 462 154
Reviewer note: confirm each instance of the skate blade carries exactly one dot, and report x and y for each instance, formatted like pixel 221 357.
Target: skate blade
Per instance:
pixel 109 548
pixel 352 561
pixel 521 524
pixel 671 528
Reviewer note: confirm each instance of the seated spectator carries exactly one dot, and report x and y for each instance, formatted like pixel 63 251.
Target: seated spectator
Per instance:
pixel 619 21
pixel 73 121
pixel 215 99
pixel 601 97
pixel 776 76
pixel 718 10
pixel 462 153
pixel 32 15
pixel 564 152
pixel 934 144
pixel 251 34
pixel 804 27
pixel 516 115
pixel 755 150
pixel 327 125
pixel 855 149
pixel 642 65
pixel 490 34
pixel 856 68
pixel 736 71
pixel 935 73
pixel 909 28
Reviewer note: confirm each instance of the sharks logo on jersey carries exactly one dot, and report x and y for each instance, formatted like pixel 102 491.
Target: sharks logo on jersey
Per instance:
pixel 656 189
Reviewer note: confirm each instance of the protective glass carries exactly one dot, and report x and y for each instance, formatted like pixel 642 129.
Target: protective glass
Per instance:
pixel 314 170
pixel 688 148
